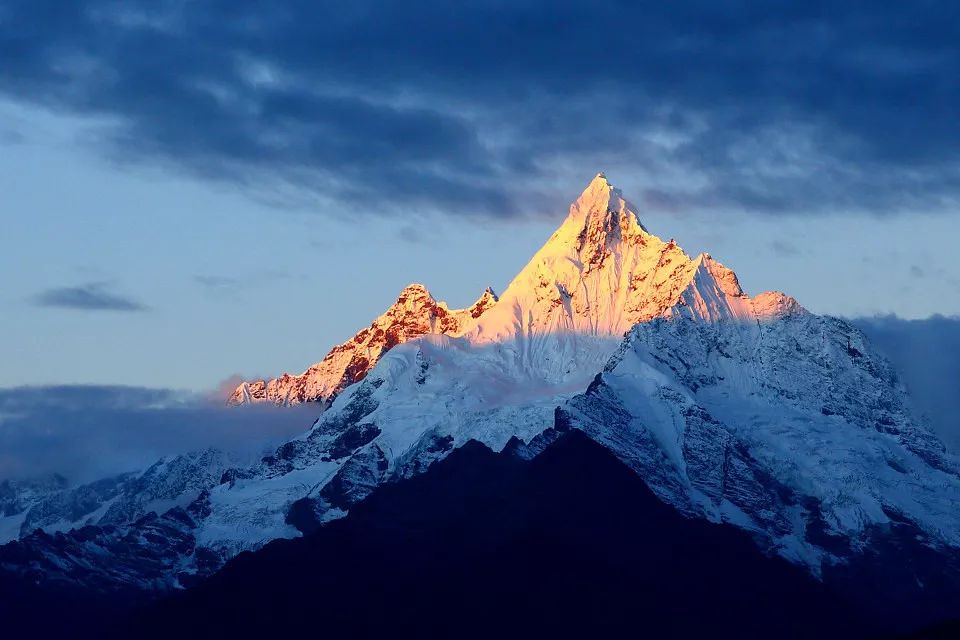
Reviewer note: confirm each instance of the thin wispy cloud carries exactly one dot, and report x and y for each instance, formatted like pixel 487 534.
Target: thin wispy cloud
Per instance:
pixel 10 137
pixel 216 282
pixel 785 248
pixel 94 296
pixel 229 286
pixel 219 286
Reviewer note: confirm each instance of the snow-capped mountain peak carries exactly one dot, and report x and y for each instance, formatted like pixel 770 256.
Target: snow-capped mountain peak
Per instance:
pixel 598 274
pixel 599 218
pixel 601 272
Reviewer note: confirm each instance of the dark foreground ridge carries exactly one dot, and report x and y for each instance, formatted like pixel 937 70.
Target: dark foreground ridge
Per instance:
pixel 571 542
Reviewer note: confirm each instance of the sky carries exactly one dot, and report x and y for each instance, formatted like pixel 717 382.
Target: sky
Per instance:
pixel 194 191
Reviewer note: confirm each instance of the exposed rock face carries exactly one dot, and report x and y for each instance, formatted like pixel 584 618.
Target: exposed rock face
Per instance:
pixel 414 314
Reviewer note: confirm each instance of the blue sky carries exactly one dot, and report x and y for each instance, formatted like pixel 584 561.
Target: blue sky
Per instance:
pixel 185 197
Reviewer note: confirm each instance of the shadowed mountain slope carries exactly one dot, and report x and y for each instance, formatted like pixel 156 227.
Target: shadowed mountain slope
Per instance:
pixel 571 542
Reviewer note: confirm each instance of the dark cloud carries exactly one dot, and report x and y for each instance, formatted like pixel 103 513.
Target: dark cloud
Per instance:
pixel 924 352
pixel 229 286
pixel 87 297
pixel 477 107
pixel 88 432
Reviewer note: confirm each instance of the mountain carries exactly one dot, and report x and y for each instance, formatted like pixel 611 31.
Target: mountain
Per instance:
pixel 747 412
pixel 414 314
pixel 492 544
pixel 555 326
pixel 54 505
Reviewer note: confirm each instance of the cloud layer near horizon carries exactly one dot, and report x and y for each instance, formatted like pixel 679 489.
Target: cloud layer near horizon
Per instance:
pixel 89 432
pixel 478 108
pixel 924 353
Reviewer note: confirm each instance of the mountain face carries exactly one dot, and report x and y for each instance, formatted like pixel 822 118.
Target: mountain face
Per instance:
pixel 414 314
pixel 16 497
pixel 790 427
pixel 493 544
pixel 744 411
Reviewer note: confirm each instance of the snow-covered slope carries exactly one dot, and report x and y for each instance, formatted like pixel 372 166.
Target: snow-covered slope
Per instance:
pixel 746 410
pixel 414 314
pixel 789 425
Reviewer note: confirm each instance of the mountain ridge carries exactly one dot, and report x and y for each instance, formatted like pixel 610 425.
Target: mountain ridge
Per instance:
pixel 415 313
